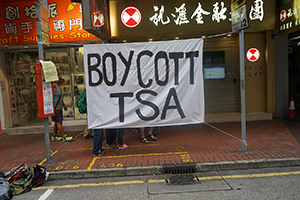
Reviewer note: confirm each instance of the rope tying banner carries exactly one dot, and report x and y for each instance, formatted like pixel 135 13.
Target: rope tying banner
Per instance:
pixel 243 141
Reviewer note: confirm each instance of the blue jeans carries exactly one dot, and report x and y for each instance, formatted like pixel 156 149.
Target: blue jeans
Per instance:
pixel 98 140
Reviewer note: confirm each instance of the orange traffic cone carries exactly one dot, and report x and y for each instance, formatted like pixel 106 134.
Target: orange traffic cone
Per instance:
pixel 292 111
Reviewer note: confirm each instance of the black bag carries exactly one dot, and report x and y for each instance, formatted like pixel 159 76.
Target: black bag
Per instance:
pixel 40 174
pixel 4 188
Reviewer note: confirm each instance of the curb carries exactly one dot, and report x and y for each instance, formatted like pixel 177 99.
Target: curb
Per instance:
pixel 159 169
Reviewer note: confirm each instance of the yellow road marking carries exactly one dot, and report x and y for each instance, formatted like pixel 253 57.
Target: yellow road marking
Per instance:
pixel 91 164
pixel 236 176
pixel 133 155
pixel 90 185
pixel 46 158
pixel 163 180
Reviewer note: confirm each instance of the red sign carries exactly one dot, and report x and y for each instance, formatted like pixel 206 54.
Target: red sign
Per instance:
pixel 18 22
pixel 65 22
pixel 253 54
pixel 131 17
pixel 282 15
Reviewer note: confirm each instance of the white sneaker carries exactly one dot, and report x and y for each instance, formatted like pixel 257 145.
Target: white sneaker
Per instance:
pixel 124 146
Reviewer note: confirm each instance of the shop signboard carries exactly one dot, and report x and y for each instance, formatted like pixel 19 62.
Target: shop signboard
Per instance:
pixel 289 18
pixel 95 18
pixel 17 23
pixel 65 21
pixel 18 26
pixel 44 25
pixel 180 17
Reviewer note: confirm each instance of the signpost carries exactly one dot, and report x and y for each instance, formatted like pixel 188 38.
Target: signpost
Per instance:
pixel 239 19
pixel 40 30
pixel 239 22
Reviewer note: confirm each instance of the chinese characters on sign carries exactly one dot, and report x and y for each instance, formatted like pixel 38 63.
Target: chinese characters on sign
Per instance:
pixel 289 17
pixel 18 22
pixel 218 13
pixel 257 10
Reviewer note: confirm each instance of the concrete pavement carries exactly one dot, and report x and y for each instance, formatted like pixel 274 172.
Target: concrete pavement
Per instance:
pixel 189 148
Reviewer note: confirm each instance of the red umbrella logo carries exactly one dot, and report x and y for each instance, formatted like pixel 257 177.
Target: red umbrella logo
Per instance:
pixel 131 17
pixel 282 15
pixel 253 54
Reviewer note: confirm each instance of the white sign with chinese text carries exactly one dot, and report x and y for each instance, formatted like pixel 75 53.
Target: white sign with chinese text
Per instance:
pixel 239 20
pixel 201 13
pixel 144 84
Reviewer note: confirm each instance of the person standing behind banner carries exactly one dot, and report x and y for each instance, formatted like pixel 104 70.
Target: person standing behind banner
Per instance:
pixel 98 142
pixel 111 135
pixel 143 135
pixel 58 118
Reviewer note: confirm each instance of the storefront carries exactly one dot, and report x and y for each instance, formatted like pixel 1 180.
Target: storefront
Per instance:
pixel 133 21
pixel 19 53
pixel 287 51
pixel 141 21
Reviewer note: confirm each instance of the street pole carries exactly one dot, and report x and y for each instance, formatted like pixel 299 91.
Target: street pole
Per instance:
pixel 242 86
pixel 41 57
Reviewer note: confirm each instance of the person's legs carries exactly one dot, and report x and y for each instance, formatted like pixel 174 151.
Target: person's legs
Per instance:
pixel 55 129
pixel 150 134
pixel 60 128
pixel 111 135
pixel 120 135
pixel 143 138
pixel 54 135
pixel 98 142
pixel 121 145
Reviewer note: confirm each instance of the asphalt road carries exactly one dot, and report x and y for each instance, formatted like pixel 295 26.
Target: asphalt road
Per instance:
pixel 260 184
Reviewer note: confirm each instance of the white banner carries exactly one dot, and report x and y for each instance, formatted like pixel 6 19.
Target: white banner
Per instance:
pixel 144 84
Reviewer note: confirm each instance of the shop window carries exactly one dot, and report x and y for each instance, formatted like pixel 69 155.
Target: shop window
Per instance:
pixel 220 84
pixel 69 64
pixel 22 88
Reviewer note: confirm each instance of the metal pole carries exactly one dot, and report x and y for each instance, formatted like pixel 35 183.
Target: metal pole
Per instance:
pixel 242 86
pixel 41 57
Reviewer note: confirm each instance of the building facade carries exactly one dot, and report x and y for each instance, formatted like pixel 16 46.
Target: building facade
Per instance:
pixel 132 21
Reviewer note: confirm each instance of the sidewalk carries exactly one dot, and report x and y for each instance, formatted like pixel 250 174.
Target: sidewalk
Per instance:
pixel 269 144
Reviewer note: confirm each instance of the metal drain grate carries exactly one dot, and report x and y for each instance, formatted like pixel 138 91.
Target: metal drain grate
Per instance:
pixel 182 179
pixel 179 169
